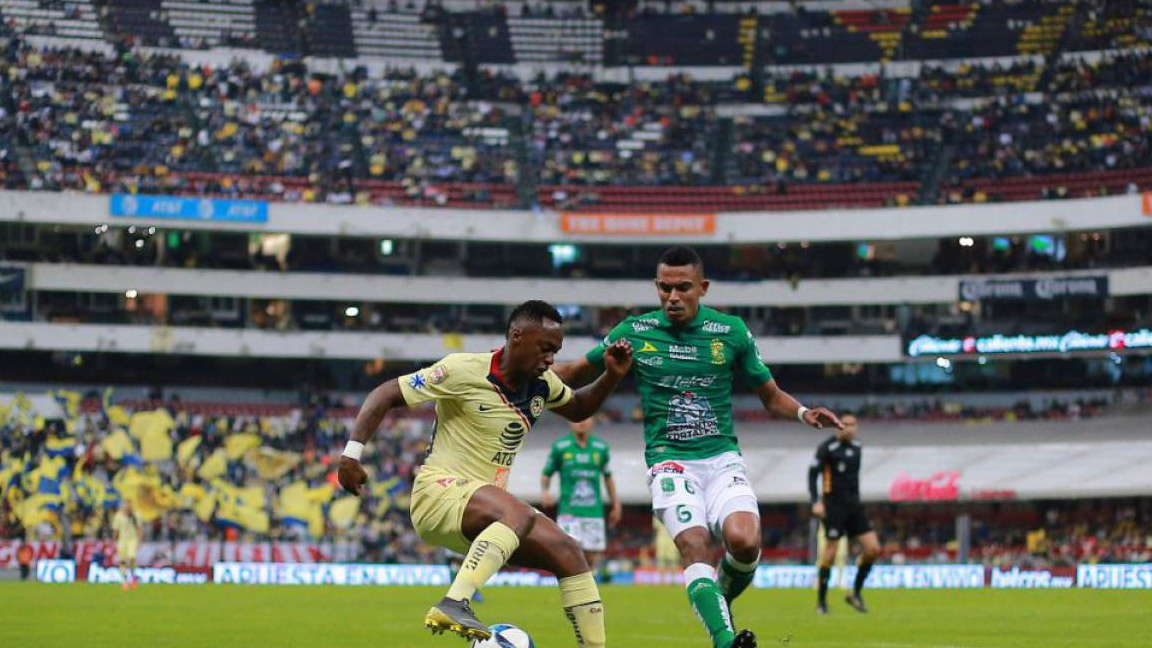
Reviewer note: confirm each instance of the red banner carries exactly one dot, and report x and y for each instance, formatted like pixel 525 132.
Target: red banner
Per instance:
pixel 941 486
pixel 638 224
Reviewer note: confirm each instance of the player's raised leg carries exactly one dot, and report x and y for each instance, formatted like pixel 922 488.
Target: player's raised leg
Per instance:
pixel 870 551
pixel 695 546
pixel 742 540
pixel 547 547
pixel 495 522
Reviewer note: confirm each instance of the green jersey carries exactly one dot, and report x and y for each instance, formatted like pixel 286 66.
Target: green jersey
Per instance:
pixel 580 468
pixel 685 376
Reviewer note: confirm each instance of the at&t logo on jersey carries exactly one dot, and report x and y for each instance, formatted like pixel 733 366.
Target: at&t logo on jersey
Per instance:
pixel 687 382
pixel 510 440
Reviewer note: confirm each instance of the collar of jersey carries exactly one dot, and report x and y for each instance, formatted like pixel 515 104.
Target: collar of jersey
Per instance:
pixel 576 442
pixel 693 323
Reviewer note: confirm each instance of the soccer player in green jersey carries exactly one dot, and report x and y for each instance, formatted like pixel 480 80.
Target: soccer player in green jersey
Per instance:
pixel 687 357
pixel 582 460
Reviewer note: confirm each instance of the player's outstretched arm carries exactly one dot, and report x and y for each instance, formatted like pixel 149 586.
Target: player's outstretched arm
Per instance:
pixel 382 399
pixel 586 400
pixel 780 403
pixel 577 373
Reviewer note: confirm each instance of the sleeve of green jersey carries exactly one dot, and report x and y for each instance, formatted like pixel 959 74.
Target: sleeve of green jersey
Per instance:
pixel 605 465
pixel 550 463
pixel 596 355
pixel 748 362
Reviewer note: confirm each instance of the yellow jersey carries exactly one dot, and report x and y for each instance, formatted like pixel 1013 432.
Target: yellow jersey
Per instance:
pixel 480 424
pixel 127 528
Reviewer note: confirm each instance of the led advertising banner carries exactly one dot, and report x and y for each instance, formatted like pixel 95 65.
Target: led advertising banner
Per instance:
pixel 1070 342
pixel 1120 576
pixel 882 576
pixel 1046 289
pixel 178 208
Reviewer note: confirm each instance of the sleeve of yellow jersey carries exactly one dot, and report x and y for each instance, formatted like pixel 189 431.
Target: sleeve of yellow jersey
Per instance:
pixel 558 393
pixel 440 380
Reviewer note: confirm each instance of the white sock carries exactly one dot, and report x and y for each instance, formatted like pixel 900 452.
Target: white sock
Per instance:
pixel 739 566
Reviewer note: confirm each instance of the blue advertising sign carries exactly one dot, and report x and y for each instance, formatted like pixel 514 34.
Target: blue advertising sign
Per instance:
pixel 176 207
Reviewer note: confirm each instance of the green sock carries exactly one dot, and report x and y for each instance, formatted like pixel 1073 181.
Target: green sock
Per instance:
pixel 735 577
pixel 704 595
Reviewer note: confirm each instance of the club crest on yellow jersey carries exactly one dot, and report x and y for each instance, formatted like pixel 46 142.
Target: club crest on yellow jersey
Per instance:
pixel 437 375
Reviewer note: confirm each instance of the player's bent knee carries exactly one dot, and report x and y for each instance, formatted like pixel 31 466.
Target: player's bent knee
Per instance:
pixel 694 546
pixel 520 519
pixel 745 547
pixel 569 558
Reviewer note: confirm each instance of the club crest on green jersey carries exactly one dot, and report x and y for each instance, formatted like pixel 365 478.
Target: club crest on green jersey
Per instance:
pixel 718 352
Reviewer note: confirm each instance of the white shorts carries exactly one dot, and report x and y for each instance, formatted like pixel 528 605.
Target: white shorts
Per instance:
pixel 589 533
pixel 701 492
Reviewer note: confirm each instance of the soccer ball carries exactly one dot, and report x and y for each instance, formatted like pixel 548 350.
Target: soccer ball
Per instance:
pixel 505 635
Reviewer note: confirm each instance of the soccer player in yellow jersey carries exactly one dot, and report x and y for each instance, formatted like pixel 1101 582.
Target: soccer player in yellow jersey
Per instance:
pixel 127 529
pixel 485 405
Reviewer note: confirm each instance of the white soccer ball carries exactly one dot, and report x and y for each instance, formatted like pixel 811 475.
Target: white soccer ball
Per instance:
pixel 505 635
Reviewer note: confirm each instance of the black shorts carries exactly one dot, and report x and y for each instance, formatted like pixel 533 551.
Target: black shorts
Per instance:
pixel 845 520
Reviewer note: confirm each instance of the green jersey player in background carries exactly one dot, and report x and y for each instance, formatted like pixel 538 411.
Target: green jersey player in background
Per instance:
pixel 582 460
pixel 687 357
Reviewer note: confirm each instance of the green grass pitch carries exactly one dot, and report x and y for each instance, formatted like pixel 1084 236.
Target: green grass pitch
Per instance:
pixel 155 616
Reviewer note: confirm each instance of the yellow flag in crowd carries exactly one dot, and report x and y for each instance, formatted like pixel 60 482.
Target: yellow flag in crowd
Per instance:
pixel 118 444
pixel 155 422
pixel 186 452
pixel 273 464
pixel 237 444
pixel 117 415
pixel 214 466
pixel 71 400
pixel 155 445
pixel 343 511
pixel 243 507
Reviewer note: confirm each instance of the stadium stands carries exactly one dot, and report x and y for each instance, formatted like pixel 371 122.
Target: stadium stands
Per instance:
pixel 573 40
pixel 76 19
pixel 223 22
pixel 390 35
pixel 203 469
pixel 421 138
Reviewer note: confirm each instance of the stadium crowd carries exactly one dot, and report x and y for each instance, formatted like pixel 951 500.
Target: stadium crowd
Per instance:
pixel 133 122
pixel 211 471
pixel 203 473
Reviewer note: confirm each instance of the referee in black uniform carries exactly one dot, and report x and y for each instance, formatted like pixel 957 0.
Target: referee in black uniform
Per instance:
pixel 837 464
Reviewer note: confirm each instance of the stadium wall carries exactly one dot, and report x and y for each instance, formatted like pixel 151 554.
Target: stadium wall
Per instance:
pixel 187 340
pixel 939 289
pixel 545 226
